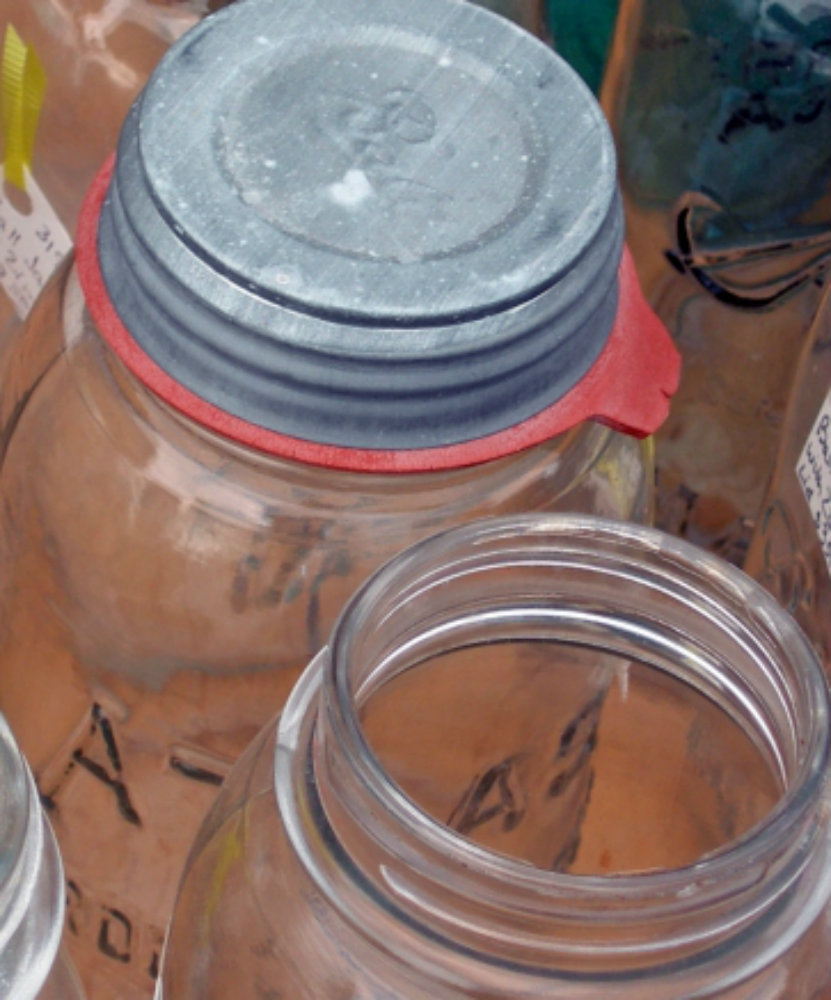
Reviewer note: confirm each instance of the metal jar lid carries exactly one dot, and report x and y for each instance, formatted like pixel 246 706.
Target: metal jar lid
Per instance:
pixel 366 233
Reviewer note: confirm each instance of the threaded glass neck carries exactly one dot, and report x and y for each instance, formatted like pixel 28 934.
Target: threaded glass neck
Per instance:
pixel 455 754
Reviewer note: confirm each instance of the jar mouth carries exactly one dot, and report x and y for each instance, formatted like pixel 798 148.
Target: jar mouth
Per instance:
pixel 771 679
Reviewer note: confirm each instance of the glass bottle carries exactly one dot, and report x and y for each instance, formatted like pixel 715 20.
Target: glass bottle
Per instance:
pixel 32 894
pixel 95 56
pixel 242 403
pixel 790 552
pixel 396 832
pixel 721 118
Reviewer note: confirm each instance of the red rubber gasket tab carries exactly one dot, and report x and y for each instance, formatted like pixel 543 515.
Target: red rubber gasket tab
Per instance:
pixel 627 388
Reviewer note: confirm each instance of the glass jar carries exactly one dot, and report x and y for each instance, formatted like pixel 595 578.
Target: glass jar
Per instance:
pixel 790 552
pixel 205 454
pixel 32 965
pixel 721 118
pixel 397 831
pixel 95 55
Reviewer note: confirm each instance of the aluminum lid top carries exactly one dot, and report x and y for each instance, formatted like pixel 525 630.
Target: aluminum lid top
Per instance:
pixel 345 229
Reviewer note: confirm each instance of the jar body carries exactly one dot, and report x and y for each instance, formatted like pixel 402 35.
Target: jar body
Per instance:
pixel 324 870
pixel 790 552
pixel 708 105
pixel 163 590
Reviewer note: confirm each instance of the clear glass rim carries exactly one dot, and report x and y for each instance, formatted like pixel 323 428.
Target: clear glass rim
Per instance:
pixel 31 888
pixel 16 828
pixel 768 837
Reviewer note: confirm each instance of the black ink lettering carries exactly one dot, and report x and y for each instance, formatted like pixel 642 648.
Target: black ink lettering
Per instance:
pixel 563 780
pixel 816 467
pixel 194 772
pixel 590 712
pixel 474 809
pixel 565 859
pixel 112 922
pixel 822 437
pixel 74 900
pixel 577 741
pixel 247 567
pixel 100 724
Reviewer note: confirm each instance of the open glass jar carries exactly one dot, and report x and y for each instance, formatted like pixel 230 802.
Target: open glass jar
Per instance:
pixel 32 894
pixel 398 832
pixel 368 286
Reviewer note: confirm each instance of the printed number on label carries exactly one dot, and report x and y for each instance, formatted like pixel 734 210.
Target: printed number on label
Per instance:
pixel 31 246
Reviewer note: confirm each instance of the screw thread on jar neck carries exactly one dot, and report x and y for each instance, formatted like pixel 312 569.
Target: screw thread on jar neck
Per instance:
pixel 498 922
pixel 31 880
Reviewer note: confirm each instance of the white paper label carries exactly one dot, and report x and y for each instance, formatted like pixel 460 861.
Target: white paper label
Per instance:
pixel 814 473
pixel 31 247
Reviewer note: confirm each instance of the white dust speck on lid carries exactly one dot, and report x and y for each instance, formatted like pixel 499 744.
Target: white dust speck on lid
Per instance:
pixel 351 190
pixel 445 60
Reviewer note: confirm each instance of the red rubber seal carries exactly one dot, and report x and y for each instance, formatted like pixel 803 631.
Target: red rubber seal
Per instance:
pixel 627 388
